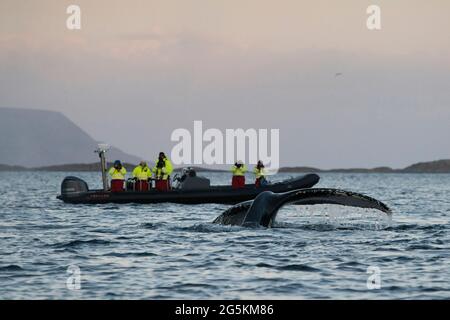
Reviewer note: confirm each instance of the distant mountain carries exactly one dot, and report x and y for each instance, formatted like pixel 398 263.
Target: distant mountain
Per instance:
pixel 439 166
pixel 49 141
pixel 349 170
pixel 82 167
pixel 4 167
pixel 298 169
pixel 90 167
pixel 36 138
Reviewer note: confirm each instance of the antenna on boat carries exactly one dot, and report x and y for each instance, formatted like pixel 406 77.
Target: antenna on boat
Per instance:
pixel 101 150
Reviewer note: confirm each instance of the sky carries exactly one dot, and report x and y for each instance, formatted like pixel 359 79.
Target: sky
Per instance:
pixel 340 94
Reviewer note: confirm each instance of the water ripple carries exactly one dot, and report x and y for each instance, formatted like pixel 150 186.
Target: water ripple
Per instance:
pixel 171 251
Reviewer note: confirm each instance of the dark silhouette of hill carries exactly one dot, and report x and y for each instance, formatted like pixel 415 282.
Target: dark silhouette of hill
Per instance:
pixel 48 141
pixel 36 138
pixel 439 166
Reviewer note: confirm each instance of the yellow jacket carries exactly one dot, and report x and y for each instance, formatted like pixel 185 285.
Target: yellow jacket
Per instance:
pixel 117 174
pixel 238 171
pixel 142 173
pixel 259 172
pixel 165 171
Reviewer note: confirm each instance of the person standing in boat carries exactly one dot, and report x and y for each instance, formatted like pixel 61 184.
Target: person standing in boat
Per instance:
pixel 260 174
pixel 117 173
pixel 141 174
pixel 238 171
pixel 162 170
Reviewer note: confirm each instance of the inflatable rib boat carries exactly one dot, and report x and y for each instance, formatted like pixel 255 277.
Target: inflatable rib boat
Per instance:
pixel 188 189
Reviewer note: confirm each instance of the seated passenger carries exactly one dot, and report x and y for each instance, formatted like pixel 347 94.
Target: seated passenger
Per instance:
pixel 117 173
pixel 141 174
pixel 238 170
pixel 162 170
pixel 260 174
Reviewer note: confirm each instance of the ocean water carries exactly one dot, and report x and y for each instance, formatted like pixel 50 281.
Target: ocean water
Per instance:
pixel 170 251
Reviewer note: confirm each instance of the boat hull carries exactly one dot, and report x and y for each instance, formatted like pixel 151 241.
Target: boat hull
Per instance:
pixel 217 194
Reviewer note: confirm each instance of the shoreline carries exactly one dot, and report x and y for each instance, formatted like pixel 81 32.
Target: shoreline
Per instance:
pixel 439 166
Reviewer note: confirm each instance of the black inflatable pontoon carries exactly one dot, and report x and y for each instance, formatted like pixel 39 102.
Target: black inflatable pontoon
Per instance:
pixel 189 189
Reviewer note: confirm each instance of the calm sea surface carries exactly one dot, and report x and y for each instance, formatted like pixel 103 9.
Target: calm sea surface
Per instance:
pixel 164 251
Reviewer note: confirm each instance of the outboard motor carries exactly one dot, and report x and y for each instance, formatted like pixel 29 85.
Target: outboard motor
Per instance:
pixel 190 181
pixel 73 186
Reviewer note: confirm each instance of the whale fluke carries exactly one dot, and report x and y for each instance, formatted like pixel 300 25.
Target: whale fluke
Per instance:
pixel 264 208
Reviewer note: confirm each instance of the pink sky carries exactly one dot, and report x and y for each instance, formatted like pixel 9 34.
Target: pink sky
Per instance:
pixel 140 69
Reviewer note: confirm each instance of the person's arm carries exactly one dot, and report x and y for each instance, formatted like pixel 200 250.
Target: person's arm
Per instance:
pixel 111 171
pixel 155 168
pixel 244 169
pixel 135 172
pixel 123 171
pixel 168 168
